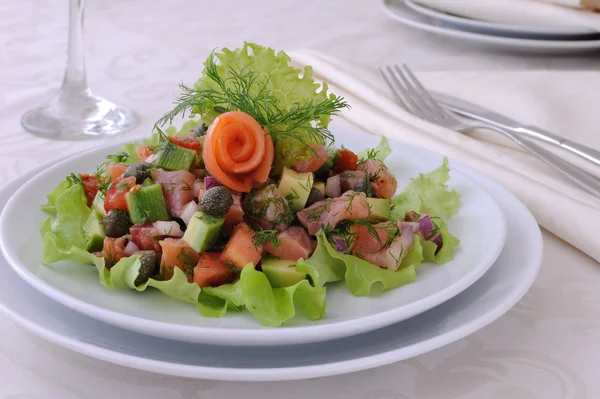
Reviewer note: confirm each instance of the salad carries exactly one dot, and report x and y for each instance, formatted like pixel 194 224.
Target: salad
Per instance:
pixel 250 204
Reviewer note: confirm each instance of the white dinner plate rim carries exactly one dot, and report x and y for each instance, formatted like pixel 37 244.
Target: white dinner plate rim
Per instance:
pixel 312 371
pixel 278 336
pixel 529 44
pixel 542 31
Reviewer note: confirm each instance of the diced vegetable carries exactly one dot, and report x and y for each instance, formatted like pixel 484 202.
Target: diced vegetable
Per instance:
pixel 95 232
pixel 281 273
pixel 203 231
pixel 295 187
pixel 347 161
pixel 115 197
pixel 170 156
pixel 146 204
pixel 380 209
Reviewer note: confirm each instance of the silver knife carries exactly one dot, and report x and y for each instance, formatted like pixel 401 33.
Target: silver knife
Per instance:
pixel 473 111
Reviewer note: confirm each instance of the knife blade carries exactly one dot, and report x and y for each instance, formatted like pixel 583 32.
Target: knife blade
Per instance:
pixel 479 113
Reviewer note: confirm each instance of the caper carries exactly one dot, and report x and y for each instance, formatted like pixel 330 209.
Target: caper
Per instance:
pixel 116 223
pixel 216 201
pixel 314 196
pixel 199 130
pixel 148 266
pixel 140 170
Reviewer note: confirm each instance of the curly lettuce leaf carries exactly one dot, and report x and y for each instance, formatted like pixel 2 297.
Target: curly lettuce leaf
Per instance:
pixel 321 267
pixel 273 306
pixel 69 205
pixel 428 194
pixel 50 206
pixel 379 153
pixel 415 255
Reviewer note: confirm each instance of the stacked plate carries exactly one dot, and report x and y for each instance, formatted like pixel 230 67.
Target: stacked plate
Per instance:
pixel 496 263
pixel 535 38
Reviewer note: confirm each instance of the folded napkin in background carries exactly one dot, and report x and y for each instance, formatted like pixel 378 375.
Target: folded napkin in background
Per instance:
pixel 558 205
pixel 522 12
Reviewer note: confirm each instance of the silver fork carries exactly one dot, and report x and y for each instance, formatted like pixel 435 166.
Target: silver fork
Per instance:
pixel 414 98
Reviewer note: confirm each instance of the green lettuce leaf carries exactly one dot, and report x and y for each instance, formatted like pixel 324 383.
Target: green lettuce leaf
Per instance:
pixel 71 214
pixel 130 149
pixel 321 267
pixel 379 153
pixel 428 194
pixel 50 206
pixel 415 255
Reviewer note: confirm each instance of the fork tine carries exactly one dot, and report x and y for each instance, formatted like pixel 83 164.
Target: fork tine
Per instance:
pixel 424 93
pixel 410 96
pixel 415 96
pixel 392 86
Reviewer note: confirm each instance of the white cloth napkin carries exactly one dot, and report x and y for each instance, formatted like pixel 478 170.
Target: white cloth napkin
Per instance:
pixel 557 204
pixel 523 12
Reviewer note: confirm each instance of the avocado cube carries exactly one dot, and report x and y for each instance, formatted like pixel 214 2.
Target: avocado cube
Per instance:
pixel 281 273
pixel 203 231
pixel 94 231
pixel 380 209
pixel 320 186
pixel 295 187
pixel 98 204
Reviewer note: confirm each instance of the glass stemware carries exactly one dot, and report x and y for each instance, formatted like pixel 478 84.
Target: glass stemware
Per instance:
pixel 76 113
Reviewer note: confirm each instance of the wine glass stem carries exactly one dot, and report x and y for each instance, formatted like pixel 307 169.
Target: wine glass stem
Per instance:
pixel 75 81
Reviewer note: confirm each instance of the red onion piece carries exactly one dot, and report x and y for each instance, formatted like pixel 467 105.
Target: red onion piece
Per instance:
pixel 333 187
pixel 426 225
pixel 187 212
pixel 130 248
pixel 210 182
pixel 340 244
pixel 168 229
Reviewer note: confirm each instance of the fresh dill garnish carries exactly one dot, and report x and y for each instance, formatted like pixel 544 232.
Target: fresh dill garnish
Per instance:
pixel 371 154
pixel 119 157
pixel 186 258
pixel 74 179
pixel 263 236
pixel 242 90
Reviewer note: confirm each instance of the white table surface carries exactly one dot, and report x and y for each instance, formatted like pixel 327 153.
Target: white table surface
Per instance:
pixel 137 51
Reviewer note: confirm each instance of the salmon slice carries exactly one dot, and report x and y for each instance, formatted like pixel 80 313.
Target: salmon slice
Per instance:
pixel 294 243
pixel 177 187
pixel 328 213
pixel 176 253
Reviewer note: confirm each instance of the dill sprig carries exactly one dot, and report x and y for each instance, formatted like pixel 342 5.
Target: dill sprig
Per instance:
pixel 242 91
pixel 263 236
pixel 74 179
pixel 119 157
pixel 371 154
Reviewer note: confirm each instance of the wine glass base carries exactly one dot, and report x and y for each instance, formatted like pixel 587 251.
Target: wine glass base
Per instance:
pixel 78 118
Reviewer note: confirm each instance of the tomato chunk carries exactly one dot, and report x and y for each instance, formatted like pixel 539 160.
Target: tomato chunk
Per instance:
pixel 348 161
pixel 190 142
pixel 115 197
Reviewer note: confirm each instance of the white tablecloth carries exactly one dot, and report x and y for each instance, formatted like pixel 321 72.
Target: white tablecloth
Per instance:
pixel 547 347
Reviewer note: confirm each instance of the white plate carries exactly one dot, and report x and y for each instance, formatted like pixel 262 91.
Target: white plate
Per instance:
pixel 498 29
pixel 486 300
pixel 480 226
pixel 399 10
